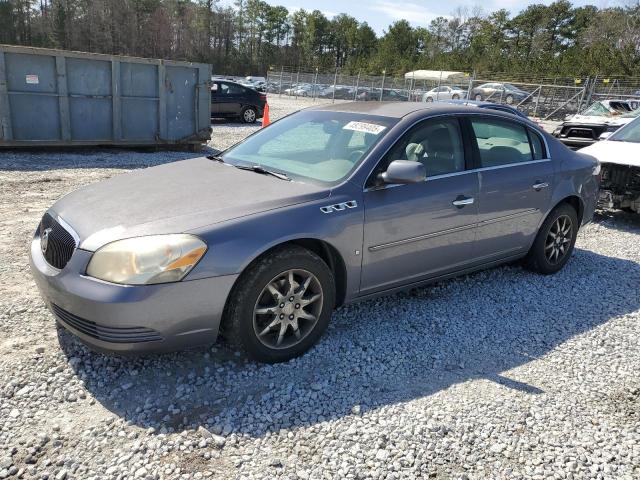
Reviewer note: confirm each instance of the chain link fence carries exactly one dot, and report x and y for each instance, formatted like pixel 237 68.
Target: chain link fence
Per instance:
pixel 544 98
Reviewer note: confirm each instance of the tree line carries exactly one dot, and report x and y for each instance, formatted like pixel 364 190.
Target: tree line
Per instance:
pixel 251 36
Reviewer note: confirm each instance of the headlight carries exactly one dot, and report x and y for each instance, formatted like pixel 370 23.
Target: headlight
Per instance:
pixel 147 260
pixel 597 169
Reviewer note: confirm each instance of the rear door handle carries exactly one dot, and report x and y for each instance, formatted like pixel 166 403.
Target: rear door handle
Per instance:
pixel 461 201
pixel 540 186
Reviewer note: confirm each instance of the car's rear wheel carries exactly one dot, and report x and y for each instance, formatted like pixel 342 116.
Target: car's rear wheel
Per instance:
pixel 478 97
pixel 554 243
pixel 281 305
pixel 429 99
pixel 455 96
pixel 509 99
pixel 248 115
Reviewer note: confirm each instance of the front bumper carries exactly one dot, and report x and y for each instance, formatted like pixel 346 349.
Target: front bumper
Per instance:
pixel 119 318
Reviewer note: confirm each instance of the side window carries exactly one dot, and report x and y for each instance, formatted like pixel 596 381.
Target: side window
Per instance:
pixel 537 145
pixel 224 89
pixel 236 90
pixel 501 142
pixel 436 143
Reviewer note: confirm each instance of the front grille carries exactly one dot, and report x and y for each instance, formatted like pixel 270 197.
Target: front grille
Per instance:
pixel 587 133
pixel 106 334
pixel 620 179
pixel 60 244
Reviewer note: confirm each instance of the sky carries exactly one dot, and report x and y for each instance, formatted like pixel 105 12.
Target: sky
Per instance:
pixel 379 14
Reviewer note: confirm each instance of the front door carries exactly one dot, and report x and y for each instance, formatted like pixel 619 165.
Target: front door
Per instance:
pixel 516 180
pixel 426 229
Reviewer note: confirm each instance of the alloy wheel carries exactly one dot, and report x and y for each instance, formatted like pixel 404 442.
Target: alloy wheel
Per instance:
pixel 249 115
pixel 558 240
pixel 288 309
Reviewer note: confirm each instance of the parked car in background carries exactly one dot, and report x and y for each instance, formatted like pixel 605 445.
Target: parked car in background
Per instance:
pixel 388 95
pixel 444 93
pixel 619 156
pixel 601 119
pixel 499 92
pixel 256 85
pixel 341 92
pixel 327 206
pixel 232 100
pixel 304 90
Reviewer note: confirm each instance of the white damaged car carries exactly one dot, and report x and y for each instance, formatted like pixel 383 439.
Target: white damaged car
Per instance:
pixel 619 156
pixel 596 122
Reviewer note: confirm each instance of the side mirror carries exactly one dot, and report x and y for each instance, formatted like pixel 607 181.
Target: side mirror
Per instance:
pixel 403 172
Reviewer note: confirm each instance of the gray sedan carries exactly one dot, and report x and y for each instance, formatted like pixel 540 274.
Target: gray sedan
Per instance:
pixel 327 206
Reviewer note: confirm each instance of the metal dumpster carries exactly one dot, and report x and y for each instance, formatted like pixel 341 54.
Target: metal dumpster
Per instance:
pixel 59 98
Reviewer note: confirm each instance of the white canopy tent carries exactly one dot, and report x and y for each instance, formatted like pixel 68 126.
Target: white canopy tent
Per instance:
pixel 437 76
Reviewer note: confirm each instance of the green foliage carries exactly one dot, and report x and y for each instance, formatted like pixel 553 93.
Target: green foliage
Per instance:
pixel 252 35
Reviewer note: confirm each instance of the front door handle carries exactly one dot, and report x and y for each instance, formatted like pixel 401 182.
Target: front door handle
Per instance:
pixel 539 186
pixel 461 201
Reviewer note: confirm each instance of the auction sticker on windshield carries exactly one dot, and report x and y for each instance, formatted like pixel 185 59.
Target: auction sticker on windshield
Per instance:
pixel 365 127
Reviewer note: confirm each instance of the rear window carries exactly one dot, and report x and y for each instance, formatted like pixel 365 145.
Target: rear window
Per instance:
pixel 537 146
pixel 501 142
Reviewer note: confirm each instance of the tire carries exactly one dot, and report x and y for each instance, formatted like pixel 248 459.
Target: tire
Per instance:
pixel 538 259
pixel 248 115
pixel 455 96
pixel 509 99
pixel 478 97
pixel 429 99
pixel 251 326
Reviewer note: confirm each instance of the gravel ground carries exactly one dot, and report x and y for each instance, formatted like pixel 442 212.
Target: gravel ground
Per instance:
pixel 502 374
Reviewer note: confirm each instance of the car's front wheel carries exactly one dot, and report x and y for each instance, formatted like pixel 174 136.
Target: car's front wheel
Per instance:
pixel 509 99
pixel 455 96
pixel 554 243
pixel 281 305
pixel 478 97
pixel 249 115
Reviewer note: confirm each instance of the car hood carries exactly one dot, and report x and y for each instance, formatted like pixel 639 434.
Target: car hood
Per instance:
pixel 596 120
pixel 174 198
pixel 611 151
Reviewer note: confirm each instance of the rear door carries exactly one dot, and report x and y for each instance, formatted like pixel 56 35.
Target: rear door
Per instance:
pixel 516 181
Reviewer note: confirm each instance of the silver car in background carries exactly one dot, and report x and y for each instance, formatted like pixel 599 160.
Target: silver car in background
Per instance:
pixel 327 206
pixel 444 93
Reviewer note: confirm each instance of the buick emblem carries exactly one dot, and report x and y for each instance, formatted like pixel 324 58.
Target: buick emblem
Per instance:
pixel 44 240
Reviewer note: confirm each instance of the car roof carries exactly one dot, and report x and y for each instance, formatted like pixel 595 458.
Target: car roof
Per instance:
pixel 398 109
pixel 488 105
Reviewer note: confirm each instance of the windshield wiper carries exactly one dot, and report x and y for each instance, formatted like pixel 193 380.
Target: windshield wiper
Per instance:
pixel 260 169
pixel 217 158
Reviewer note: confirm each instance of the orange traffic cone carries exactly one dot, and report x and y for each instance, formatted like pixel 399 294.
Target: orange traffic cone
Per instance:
pixel 265 116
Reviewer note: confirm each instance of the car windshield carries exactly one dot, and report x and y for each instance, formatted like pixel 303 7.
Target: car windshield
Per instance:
pixel 315 146
pixel 629 133
pixel 597 110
